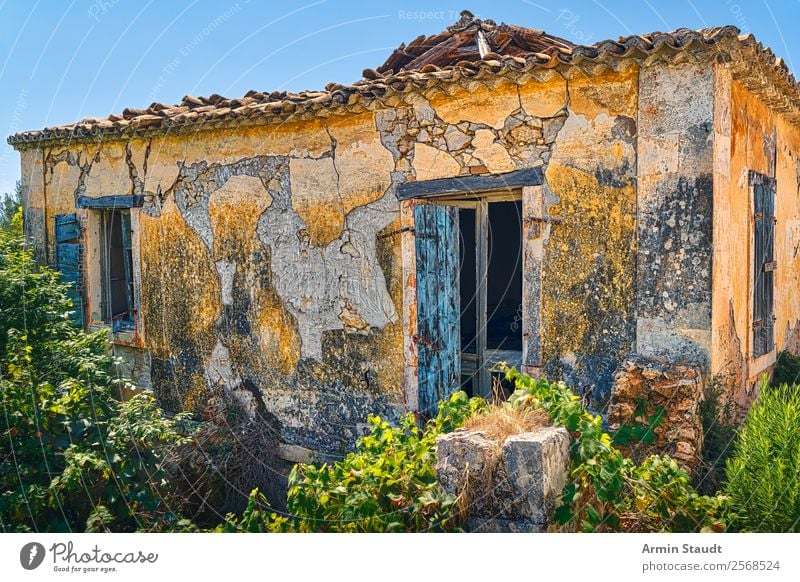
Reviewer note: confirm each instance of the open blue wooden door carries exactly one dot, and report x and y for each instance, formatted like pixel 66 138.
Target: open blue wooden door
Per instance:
pixel 69 256
pixel 438 316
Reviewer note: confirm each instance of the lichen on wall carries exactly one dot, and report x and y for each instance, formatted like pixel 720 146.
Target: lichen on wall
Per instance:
pixel 590 246
pixel 675 192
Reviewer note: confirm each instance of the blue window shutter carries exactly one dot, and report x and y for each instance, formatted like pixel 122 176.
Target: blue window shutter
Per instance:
pixel 438 318
pixel 69 260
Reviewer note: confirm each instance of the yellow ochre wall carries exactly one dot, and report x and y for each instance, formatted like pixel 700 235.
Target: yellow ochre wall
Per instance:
pixel 749 135
pixel 271 263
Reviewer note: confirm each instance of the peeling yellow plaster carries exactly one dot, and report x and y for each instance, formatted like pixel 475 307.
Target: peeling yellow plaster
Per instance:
pixel 315 197
pixel 181 292
pixel 489 106
pixel 234 210
pixel 588 279
pixel 110 173
pixel 611 93
pixel 363 164
pixel 545 98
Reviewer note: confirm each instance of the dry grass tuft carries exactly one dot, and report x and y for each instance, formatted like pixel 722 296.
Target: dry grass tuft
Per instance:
pixel 503 421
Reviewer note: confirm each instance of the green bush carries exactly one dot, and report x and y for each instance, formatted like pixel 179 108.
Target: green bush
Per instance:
pixel 718 415
pixel 256 518
pixel 787 369
pixel 606 491
pixel 388 484
pixel 72 456
pixel 764 472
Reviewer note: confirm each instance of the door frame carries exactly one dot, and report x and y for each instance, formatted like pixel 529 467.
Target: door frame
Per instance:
pixel 536 226
pixel 480 201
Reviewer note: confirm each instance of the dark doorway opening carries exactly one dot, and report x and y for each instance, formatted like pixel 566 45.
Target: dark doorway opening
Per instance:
pixel 490 280
pixel 504 277
pixel 118 270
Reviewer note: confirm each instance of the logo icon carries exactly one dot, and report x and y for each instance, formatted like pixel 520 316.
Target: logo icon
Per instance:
pixel 31 555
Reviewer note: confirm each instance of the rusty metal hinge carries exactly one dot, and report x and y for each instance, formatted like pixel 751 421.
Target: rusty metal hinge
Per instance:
pixel 761 216
pixel 396 232
pixel 760 322
pixel 426 342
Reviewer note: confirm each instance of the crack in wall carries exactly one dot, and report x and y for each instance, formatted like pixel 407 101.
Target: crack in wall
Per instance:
pixel 68 157
pixel 324 288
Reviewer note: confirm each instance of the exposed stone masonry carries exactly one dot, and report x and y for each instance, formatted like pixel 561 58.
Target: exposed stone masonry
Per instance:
pixel 646 389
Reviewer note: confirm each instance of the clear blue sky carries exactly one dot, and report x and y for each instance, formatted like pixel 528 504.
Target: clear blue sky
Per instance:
pixel 64 60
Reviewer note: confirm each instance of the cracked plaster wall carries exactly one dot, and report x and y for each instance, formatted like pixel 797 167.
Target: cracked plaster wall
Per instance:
pixel 270 256
pixel 590 245
pixel 582 130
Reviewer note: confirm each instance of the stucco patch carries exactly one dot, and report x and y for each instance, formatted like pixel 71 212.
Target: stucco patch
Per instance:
pixel 315 198
pixel 484 105
pixel 431 164
pixel 362 162
pixel 600 142
pixel 610 92
pixel 546 98
pixel 109 174
pixel 493 155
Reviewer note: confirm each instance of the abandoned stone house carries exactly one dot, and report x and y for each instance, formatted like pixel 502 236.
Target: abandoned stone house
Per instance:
pixel 488 193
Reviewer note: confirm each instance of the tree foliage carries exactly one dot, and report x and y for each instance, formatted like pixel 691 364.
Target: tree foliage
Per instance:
pixel 10 207
pixel 72 455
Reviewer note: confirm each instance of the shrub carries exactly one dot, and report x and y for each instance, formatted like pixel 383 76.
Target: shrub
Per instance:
pixel 607 491
pixel 72 456
pixel 229 455
pixel 388 484
pixel 787 369
pixel 764 471
pixel 256 518
pixel 718 416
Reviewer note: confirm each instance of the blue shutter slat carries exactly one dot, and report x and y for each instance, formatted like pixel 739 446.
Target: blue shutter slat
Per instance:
pixel 438 316
pixel 69 257
pixel 764 255
pixel 67 227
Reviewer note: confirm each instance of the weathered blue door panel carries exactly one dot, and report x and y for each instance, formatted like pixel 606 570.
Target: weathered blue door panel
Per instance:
pixel 67 227
pixel 438 317
pixel 69 257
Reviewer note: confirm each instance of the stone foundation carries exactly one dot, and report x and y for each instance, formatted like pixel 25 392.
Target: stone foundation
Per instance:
pixel 513 487
pixel 645 388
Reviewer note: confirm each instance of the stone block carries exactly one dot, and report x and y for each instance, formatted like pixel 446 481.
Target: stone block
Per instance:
pixel 515 487
pixel 466 457
pixel 536 466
